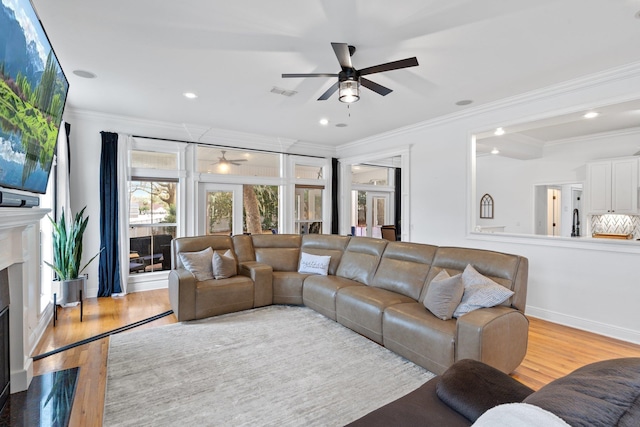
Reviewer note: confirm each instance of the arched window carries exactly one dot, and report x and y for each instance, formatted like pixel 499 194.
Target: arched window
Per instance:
pixel 486 206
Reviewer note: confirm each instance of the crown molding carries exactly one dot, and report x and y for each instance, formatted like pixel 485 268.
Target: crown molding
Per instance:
pixel 609 76
pixel 185 132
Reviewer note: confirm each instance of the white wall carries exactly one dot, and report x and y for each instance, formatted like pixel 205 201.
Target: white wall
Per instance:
pixel 590 286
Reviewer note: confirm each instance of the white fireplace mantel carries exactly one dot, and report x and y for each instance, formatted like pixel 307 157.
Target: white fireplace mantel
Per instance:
pixel 20 254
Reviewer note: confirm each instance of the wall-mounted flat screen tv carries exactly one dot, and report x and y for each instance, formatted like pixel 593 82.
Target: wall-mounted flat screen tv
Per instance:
pixel 33 92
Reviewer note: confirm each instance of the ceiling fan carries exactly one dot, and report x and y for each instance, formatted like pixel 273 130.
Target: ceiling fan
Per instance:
pixel 350 79
pixel 222 160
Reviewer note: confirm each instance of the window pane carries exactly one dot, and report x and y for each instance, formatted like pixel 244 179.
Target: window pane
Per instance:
pixel 308 172
pixel 219 212
pixel 308 210
pixel 154 160
pixel 152 224
pixel 373 175
pixel 260 204
pixel 236 162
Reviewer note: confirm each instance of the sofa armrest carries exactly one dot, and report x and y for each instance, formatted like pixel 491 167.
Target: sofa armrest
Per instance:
pixel 471 388
pixel 182 294
pixel 262 276
pixel 496 336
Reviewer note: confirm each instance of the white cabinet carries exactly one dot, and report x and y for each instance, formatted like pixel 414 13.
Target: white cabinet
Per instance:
pixel 612 186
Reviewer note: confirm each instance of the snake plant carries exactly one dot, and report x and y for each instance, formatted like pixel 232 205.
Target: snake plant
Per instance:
pixel 67 246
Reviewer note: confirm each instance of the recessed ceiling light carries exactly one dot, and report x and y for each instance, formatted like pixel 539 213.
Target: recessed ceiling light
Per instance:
pixel 324 122
pixel 464 102
pixel 499 132
pixel 495 151
pixel 190 95
pixel 591 115
pixel 84 74
pixel 341 125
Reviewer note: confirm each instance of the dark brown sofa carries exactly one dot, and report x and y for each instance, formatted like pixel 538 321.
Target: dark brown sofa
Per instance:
pixel 600 394
pixel 374 287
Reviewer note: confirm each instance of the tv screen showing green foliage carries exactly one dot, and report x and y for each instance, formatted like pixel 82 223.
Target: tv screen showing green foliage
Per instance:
pixel 33 91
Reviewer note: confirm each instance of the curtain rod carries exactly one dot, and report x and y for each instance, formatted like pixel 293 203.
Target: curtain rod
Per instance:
pixel 225 146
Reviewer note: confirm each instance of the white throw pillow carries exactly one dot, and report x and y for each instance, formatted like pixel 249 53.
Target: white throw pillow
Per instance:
pixel 519 415
pixel 444 294
pixel 480 292
pixel 224 266
pixel 199 263
pixel 314 264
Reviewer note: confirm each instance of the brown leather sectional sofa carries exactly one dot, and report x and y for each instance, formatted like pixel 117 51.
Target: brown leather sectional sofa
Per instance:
pixel 374 287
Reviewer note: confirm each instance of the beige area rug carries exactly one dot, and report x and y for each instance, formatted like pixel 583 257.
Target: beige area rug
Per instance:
pixel 271 366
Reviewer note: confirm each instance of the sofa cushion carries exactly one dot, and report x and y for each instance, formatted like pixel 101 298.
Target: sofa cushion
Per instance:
pixel 224 266
pixel 413 332
pixel 603 393
pixel 480 292
pixel 287 287
pixel 280 251
pixel 444 295
pixel 404 267
pixel 319 293
pixel 421 407
pixel 326 244
pixel 314 264
pixel 361 258
pixel 507 270
pixel 200 263
pixel 360 309
pixel 471 388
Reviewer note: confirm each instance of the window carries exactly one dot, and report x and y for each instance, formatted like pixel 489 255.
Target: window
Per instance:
pixel 152 224
pixel 308 209
pixel 370 175
pixel 226 161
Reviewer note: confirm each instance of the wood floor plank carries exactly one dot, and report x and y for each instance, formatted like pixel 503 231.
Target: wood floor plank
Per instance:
pixel 553 350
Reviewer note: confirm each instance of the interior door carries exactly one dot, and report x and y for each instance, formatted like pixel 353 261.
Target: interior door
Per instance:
pixel 553 212
pixel 378 205
pixel 220 209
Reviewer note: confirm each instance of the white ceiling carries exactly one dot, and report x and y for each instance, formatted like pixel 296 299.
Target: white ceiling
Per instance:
pixel 146 53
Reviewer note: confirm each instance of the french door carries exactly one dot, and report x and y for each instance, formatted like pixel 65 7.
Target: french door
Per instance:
pixel 372 212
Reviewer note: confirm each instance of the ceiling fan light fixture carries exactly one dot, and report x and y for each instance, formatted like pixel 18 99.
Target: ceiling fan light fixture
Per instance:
pixel 349 91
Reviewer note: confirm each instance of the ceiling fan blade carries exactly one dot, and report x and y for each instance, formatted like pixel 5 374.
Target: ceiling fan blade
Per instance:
pixel 403 63
pixel 343 55
pixel 377 88
pixel 329 92
pixel 288 76
pixel 236 160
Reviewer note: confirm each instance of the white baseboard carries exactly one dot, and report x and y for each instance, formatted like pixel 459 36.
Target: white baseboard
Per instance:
pixel 147 285
pixel 600 328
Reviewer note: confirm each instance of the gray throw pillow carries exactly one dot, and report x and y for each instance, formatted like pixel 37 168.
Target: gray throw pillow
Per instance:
pixel 224 266
pixel 480 292
pixel 444 294
pixel 198 263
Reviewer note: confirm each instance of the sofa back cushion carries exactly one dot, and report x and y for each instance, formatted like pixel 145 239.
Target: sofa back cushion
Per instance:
pixel 361 258
pixel 508 270
pixel 604 393
pixel 280 251
pixel 219 244
pixel 404 267
pixel 244 248
pixel 324 244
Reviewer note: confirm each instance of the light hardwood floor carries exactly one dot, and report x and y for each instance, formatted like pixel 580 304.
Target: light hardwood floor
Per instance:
pixel 553 350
